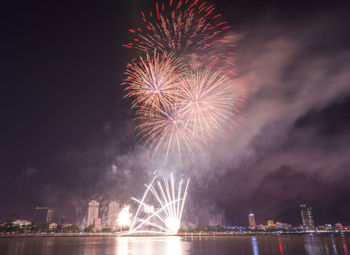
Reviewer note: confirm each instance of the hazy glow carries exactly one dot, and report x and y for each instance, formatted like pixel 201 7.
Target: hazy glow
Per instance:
pixel 124 217
pixel 174 246
pixel 173 224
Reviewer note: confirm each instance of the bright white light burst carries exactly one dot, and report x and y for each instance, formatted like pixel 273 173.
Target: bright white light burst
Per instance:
pixel 124 217
pixel 160 209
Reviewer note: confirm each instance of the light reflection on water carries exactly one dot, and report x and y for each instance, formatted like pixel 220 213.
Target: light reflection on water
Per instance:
pixel 280 244
pixel 123 246
pixel 255 246
pixel 175 245
pixel 345 247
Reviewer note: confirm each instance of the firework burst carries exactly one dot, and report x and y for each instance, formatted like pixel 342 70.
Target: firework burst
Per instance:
pixel 183 89
pixel 160 208
pixel 178 109
pixel 188 28
pixel 152 81
pixel 209 100
pixel 167 129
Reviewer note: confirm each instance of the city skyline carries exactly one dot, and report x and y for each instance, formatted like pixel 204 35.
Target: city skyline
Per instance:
pixel 44 216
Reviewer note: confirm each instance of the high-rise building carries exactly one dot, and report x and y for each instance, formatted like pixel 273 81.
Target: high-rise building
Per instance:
pixel 217 219
pixel 92 212
pixel 43 215
pixel 113 209
pixel 61 220
pixel 251 220
pixel 306 216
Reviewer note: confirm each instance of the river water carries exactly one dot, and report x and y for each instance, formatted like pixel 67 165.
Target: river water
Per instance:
pixel 176 245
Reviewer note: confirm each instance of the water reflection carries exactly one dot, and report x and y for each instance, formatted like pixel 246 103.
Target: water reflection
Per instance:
pixel 334 246
pixel 173 244
pixel 319 244
pixel 148 247
pixel 122 246
pixel 280 245
pixel 345 247
pixel 255 246
pixel 170 245
pixel 309 243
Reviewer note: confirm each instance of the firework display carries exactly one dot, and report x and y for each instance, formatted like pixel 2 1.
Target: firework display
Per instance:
pixel 182 86
pixel 182 27
pixel 152 81
pixel 124 217
pixel 160 208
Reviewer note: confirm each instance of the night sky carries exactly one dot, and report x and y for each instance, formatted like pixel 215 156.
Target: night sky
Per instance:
pixel 67 134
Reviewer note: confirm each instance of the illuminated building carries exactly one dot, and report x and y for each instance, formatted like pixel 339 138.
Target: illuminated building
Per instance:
pixel 113 208
pixel 306 216
pixel 98 224
pixel 21 223
pixel 261 227
pixel 338 225
pixel 43 215
pixel 251 220
pixel 92 212
pixel 281 225
pixel 270 223
pixel 53 226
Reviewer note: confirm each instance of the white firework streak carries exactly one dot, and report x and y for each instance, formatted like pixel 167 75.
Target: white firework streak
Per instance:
pixel 164 215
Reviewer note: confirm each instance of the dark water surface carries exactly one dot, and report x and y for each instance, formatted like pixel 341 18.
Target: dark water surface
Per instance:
pixel 174 245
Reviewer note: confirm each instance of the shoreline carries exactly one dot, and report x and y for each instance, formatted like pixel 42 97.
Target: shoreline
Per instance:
pixel 220 234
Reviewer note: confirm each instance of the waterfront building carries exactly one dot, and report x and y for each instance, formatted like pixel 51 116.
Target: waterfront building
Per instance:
pixel 43 215
pixel 21 223
pixel 338 225
pixel 53 226
pixel 306 216
pixel 261 227
pixel 92 212
pixel 251 220
pixel 281 225
pixel 270 223
pixel 113 209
